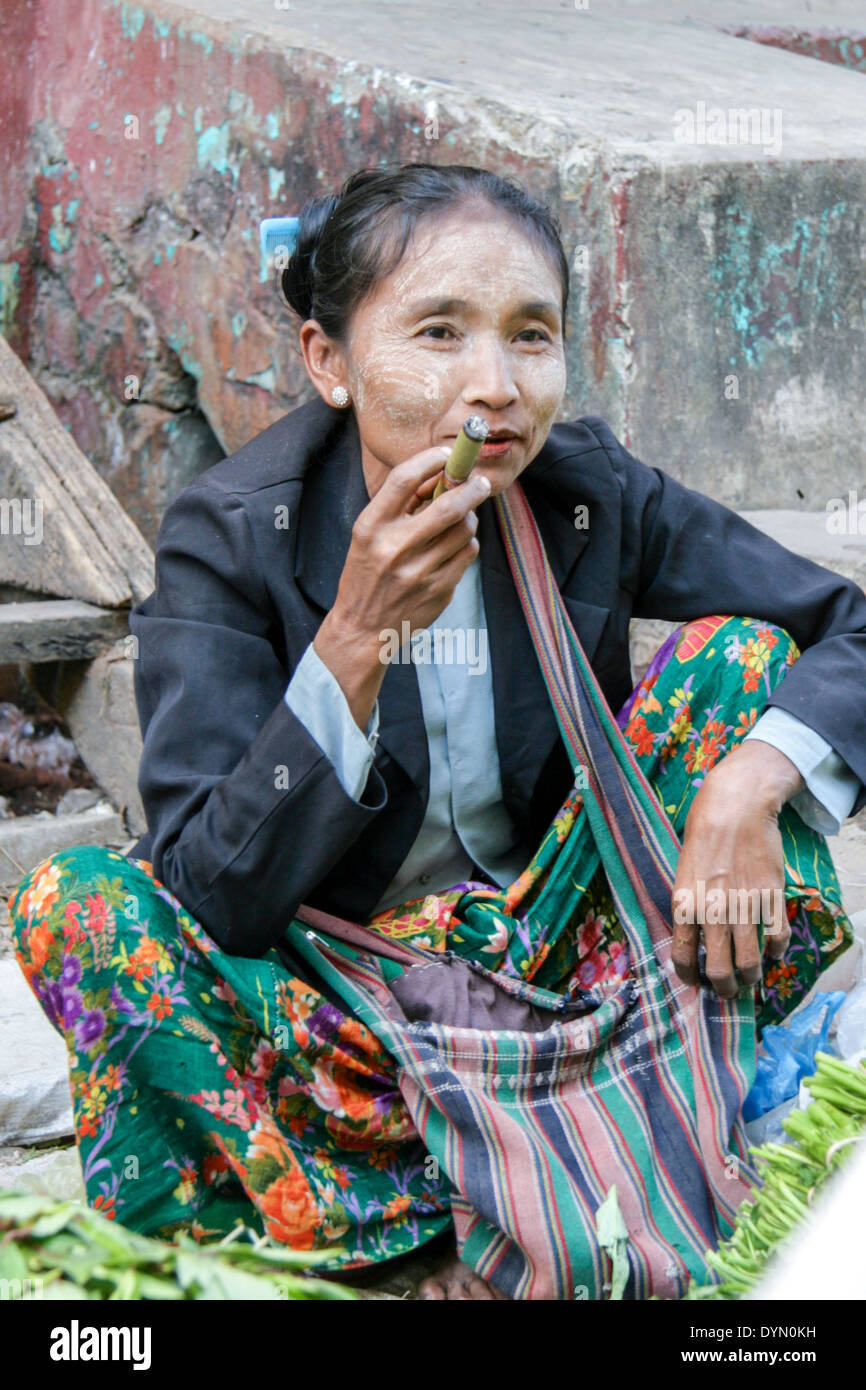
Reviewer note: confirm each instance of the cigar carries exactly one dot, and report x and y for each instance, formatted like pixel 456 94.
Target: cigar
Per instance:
pixel 463 456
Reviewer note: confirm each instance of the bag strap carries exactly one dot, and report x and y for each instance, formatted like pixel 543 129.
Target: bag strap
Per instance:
pixel 637 843
pixel 361 937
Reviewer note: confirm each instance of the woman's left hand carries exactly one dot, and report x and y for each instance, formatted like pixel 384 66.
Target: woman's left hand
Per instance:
pixel 731 842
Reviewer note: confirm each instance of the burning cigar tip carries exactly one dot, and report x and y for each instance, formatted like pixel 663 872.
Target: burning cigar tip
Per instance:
pixel 464 454
pixel 476 428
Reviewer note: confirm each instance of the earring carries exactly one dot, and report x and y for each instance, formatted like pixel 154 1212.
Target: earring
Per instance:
pixel 340 395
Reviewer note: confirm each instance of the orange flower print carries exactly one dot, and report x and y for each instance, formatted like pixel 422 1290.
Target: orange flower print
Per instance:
pixel 43 892
pixel 39 943
pixel 708 749
pixel 746 721
pixel 160 1005
pixel 518 890
pixel 215 1170
pixel 755 656
pixel 638 733
pixel 397 1208
pixel 681 723
pixel 290 1213
pixel 143 959
pixel 565 820
pixel 87 1125
pixel 266 1141
pixel 355 1103
pixel 531 967
pixel 381 1158
pixel 185 1190
pixel 781 977
pixel 644 701
pixel 91 1105
pixel 105 1206
pixel 668 749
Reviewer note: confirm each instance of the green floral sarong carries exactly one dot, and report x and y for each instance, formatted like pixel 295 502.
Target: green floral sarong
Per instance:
pixel 209 1088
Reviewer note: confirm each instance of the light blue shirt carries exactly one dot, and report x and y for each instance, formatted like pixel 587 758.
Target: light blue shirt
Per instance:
pixel 831 787
pixel 465 819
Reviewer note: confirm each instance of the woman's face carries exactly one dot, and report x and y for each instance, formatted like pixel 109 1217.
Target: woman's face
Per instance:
pixel 418 362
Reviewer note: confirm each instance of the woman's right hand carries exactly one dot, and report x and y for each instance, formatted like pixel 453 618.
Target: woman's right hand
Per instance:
pixel 406 557
pixel 407 554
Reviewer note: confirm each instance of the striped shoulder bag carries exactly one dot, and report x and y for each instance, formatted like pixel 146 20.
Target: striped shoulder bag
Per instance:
pixel 537 1104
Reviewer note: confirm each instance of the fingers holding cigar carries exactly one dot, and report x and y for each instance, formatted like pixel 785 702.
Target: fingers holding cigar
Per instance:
pixel 464 455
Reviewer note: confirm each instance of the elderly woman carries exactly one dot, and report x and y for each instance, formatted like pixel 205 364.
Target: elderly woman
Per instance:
pixel 295 753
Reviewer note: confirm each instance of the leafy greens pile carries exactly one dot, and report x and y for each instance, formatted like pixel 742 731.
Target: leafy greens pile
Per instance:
pixel 824 1136
pixel 63 1250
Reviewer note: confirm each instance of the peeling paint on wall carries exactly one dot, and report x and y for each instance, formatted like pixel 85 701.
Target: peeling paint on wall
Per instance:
pixel 160 121
pixel 213 150
pixel 766 288
pixel 10 289
pixel 266 379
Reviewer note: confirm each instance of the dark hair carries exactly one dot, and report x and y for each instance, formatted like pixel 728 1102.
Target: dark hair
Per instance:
pixel 348 242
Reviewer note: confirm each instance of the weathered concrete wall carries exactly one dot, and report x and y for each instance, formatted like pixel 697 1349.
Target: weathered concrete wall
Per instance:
pixel 718 307
pixel 827 45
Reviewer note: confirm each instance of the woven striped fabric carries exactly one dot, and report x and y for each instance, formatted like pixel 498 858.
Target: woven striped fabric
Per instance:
pixel 643 1091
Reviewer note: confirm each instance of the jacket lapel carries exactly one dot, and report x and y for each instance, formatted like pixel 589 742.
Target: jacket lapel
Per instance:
pixel 334 494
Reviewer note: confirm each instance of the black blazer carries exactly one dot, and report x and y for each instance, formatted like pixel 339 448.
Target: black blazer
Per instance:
pixel 238 598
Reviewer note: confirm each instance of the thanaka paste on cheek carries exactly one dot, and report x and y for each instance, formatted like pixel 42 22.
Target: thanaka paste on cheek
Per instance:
pixel 408 394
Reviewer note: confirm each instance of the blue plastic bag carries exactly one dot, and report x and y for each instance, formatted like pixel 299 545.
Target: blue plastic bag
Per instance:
pixel 791 1049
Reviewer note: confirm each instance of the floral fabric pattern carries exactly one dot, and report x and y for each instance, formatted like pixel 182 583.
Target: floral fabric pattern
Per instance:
pixel 210 1088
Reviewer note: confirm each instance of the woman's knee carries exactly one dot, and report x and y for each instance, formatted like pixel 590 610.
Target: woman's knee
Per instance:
pixel 80 892
pixel 760 650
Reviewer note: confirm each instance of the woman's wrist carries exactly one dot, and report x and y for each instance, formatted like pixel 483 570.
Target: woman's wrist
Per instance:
pixel 354 659
pixel 760 775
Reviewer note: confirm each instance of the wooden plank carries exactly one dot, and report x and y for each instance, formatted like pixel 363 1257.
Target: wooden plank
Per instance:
pixel 58 630
pixel 89 547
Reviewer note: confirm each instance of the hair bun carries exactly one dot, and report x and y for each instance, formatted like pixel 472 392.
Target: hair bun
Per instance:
pixel 298 278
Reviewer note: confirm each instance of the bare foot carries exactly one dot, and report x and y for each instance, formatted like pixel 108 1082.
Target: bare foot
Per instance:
pixel 455 1280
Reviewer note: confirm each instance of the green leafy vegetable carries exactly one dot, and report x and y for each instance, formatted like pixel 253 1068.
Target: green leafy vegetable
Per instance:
pixel 51 1249
pixel 824 1136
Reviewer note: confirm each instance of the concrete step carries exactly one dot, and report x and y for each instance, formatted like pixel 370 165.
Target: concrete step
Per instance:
pixel 805 533
pixel 57 630
pixel 35 1101
pixel 26 840
pixel 848 851
pixel 834 537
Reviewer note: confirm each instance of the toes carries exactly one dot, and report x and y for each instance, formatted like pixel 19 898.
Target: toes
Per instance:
pixel 431 1288
pixel 456 1283
pixel 478 1289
